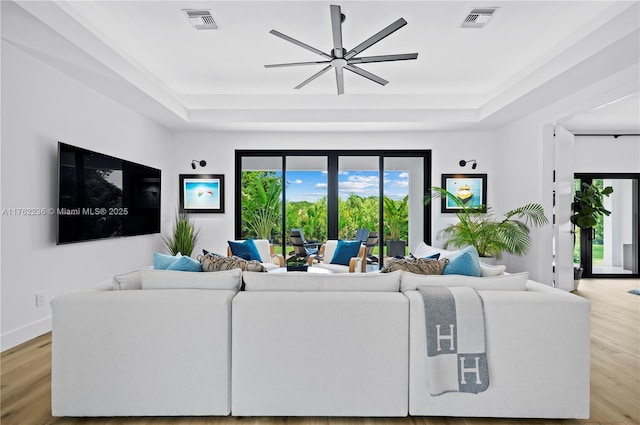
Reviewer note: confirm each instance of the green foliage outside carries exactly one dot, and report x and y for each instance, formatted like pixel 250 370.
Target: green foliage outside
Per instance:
pixel 396 218
pixel 262 206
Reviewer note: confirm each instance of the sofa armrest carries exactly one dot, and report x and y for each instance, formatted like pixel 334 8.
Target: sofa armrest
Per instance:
pixel 278 259
pixel 355 265
pixel 359 264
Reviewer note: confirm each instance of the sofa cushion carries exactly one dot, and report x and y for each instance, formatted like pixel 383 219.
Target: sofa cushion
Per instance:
pixel 171 279
pixel 492 270
pixel 162 261
pixel 423 251
pixel 128 281
pixel 345 251
pixel 506 282
pixel 415 265
pixel 301 281
pixel 185 264
pixel 466 262
pixel 245 249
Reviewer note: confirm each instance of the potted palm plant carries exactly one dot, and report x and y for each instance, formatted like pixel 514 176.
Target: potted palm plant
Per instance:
pixel 395 218
pixel 587 209
pixel 184 236
pixel 489 235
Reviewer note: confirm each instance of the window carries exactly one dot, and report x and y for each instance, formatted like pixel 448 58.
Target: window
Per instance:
pixel 332 194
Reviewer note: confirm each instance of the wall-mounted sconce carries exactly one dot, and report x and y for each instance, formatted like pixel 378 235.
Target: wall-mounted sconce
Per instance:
pixel 195 161
pixel 463 163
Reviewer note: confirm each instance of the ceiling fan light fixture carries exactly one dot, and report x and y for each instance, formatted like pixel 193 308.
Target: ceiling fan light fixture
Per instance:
pixel 200 19
pixel 341 59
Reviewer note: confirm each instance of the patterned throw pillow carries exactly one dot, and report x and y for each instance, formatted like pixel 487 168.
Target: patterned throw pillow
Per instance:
pixel 416 265
pixel 214 263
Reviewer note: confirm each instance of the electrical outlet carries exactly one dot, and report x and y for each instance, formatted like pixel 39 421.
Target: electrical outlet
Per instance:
pixel 41 299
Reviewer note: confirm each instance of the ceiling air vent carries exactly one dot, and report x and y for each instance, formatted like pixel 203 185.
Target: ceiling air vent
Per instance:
pixel 200 19
pixel 478 18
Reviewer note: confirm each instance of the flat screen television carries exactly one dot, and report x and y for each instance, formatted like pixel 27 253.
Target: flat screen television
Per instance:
pixel 100 196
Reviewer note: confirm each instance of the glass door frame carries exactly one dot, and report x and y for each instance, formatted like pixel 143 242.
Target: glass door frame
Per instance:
pixel 586 237
pixel 332 182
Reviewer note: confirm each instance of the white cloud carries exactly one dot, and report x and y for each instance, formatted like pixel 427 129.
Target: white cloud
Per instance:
pixel 403 175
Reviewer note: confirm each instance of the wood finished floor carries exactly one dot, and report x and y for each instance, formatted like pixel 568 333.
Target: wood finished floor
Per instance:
pixel 615 377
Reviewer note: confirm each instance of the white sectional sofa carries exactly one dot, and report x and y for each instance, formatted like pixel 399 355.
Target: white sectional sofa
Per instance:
pixel 320 345
pixel 537 342
pixel 302 344
pixel 149 352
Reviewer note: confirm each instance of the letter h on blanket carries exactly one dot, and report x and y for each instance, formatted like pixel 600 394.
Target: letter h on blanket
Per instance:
pixel 457 360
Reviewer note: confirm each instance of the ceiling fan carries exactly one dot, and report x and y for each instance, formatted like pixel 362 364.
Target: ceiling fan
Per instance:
pixel 341 59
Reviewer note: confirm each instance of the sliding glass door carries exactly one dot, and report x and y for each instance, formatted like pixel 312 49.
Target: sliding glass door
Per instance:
pixel 610 249
pixel 306 196
pixel 332 194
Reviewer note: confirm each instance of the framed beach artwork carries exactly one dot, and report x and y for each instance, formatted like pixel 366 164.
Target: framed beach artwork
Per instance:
pixel 202 193
pixel 470 189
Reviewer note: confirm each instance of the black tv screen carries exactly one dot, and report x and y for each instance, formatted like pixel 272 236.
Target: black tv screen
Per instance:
pixel 100 196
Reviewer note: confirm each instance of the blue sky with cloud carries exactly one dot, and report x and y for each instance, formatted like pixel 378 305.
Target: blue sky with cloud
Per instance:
pixel 312 185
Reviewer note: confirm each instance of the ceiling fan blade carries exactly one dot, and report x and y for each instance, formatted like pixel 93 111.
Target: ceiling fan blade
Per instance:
pixel 280 65
pixel 336 29
pixel 367 74
pixel 340 79
pixel 375 38
pixel 313 77
pixel 300 43
pixel 384 58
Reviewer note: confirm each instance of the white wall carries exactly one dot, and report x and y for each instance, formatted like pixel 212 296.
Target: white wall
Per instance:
pixel 218 149
pixel 526 163
pixel 604 154
pixel 40 107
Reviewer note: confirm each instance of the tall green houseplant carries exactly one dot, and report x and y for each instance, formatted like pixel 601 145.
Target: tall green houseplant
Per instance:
pixel 184 236
pixel 587 209
pixel 489 235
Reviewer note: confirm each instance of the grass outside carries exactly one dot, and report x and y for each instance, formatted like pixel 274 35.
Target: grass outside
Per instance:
pixel 597 254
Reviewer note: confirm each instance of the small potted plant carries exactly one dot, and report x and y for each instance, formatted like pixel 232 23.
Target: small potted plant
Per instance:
pixel 297 263
pixel 184 236
pixel 587 209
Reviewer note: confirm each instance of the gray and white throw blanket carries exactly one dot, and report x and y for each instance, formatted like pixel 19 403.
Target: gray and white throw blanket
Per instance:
pixel 456 356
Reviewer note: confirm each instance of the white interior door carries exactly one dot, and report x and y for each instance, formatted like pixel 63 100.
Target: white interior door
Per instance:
pixel 563 230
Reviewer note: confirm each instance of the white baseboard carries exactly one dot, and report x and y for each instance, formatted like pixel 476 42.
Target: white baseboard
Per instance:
pixel 25 333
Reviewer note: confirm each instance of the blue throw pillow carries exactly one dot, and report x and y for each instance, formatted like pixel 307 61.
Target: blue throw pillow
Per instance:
pixel 162 261
pixel 185 264
pixel 345 251
pixel 246 250
pixel 467 263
